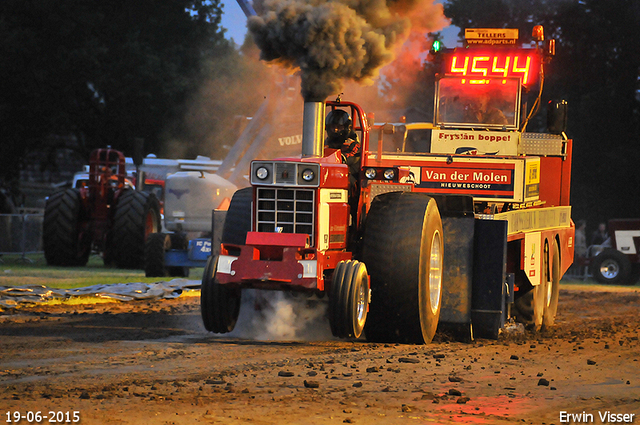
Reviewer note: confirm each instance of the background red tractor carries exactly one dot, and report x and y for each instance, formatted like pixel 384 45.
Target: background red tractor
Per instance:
pixel 107 215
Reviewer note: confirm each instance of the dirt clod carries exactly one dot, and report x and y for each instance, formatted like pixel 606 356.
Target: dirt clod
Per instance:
pixel 146 361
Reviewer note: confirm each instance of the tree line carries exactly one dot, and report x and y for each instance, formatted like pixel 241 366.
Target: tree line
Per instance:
pixel 107 72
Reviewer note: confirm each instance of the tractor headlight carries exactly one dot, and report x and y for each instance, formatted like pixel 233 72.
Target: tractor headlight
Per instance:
pixel 389 174
pixel 262 173
pixel 370 173
pixel 308 175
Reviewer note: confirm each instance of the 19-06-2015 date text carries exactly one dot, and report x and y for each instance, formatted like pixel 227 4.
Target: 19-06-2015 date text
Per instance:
pixel 47 417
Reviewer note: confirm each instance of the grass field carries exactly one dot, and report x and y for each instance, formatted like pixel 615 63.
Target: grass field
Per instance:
pixel 15 271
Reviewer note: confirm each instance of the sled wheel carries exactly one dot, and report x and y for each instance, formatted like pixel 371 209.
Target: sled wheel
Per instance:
pixel 349 299
pixel 403 250
pixel 219 305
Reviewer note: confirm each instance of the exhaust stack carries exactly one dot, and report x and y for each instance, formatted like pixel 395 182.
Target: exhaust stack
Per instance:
pixel 313 129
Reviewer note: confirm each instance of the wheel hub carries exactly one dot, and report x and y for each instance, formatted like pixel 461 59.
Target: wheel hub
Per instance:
pixel 609 269
pixel 361 305
pixel 435 272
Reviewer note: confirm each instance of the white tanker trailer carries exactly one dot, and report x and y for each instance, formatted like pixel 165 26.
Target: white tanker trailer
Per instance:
pixel 188 200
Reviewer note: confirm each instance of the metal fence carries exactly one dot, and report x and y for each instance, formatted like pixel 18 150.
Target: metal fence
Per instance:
pixel 21 233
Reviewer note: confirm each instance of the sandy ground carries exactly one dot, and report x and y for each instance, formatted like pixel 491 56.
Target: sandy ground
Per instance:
pixel 152 362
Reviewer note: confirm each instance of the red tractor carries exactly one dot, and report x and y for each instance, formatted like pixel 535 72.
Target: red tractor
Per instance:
pixel 107 215
pixel 462 222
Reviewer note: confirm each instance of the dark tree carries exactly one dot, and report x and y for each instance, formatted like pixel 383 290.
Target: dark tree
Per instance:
pixel 105 71
pixel 597 70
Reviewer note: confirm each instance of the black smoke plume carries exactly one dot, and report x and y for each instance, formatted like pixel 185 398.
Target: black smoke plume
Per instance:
pixel 330 41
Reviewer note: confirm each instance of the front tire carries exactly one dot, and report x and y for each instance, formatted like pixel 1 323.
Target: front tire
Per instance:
pixel 349 299
pixel 219 304
pixel 403 250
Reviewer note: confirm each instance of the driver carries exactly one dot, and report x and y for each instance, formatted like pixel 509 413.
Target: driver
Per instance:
pixel 340 135
pixel 482 112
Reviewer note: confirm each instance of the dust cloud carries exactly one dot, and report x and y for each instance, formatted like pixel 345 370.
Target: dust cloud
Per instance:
pixel 281 316
pixel 330 42
pixel 234 87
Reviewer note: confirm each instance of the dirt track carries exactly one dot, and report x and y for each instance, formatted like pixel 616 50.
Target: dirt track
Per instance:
pixel 152 362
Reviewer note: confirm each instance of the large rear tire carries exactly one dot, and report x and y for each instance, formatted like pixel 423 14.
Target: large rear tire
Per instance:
pixel 349 299
pixel 219 304
pixel 403 250
pixel 137 216
pixel 65 234
pixel 611 267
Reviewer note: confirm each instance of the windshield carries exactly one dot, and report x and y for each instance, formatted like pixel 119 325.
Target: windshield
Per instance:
pixel 407 140
pixel 487 103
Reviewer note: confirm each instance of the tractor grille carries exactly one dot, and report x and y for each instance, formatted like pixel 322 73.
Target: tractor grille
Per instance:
pixel 285 210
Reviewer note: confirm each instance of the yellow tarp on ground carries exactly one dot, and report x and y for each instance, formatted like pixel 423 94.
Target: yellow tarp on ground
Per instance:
pixel 30 294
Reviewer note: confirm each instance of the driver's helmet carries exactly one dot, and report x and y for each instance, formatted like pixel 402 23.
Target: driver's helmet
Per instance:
pixel 338 123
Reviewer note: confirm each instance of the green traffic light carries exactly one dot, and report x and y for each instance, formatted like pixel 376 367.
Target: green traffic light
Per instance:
pixel 436 46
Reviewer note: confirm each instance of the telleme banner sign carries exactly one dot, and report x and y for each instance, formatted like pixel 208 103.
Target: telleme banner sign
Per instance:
pixel 491 36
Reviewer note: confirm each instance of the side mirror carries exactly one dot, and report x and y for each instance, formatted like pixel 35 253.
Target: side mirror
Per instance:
pixel 557 116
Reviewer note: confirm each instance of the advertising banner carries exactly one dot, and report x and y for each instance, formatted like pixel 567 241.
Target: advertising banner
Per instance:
pixel 487 180
pixel 469 142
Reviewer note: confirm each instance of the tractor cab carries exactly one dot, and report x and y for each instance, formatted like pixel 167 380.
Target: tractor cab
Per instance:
pixel 357 115
pixel 107 171
pixel 483 84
